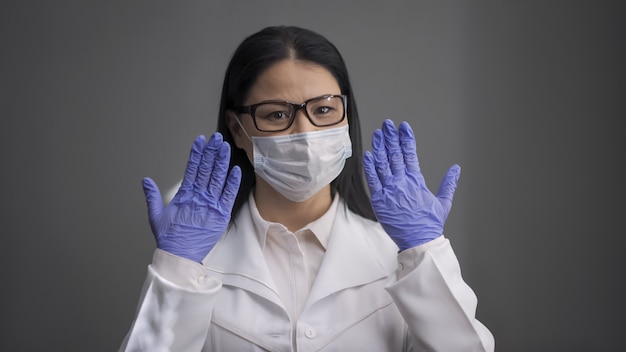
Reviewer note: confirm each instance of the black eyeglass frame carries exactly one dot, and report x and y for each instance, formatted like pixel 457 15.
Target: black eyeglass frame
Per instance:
pixel 251 109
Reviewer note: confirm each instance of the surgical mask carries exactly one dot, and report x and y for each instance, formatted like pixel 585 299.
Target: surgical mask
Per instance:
pixel 300 165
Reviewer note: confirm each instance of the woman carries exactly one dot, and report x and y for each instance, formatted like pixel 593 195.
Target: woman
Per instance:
pixel 278 247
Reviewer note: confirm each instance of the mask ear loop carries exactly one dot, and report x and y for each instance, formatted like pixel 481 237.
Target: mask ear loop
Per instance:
pixel 240 125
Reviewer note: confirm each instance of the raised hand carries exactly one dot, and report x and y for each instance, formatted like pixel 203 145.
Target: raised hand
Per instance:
pixel 409 213
pixel 198 215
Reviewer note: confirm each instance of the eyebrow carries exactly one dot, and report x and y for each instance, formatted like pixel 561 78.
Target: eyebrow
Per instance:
pixel 291 102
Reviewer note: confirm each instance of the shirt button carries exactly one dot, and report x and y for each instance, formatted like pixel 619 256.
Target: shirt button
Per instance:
pixel 201 279
pixel 310 333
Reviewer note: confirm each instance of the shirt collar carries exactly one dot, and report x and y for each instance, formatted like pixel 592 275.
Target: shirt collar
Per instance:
pixel 320 227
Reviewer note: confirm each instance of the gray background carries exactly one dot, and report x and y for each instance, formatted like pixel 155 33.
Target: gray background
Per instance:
pixel 527 96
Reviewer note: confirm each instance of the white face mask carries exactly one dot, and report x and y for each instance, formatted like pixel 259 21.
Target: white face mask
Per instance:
pixel 300 165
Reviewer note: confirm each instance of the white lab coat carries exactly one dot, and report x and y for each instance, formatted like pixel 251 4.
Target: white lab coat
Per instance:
pixel 366 297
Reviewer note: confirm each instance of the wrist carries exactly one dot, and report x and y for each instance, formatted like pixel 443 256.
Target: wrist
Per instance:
pixel 412 241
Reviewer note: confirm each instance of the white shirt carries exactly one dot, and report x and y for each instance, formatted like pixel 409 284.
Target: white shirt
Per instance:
pixel 293 258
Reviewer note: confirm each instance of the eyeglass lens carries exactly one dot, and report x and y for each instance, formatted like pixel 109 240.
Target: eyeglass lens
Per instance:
pixel 324 111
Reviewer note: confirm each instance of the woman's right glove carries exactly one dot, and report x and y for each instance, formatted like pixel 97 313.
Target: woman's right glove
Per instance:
pixel 198 215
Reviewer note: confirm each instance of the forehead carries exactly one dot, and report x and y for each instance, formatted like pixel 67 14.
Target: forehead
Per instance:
pixel 292 80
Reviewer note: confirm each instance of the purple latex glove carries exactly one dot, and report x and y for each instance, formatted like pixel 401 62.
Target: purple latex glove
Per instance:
pixel 409 213
pixel 199 214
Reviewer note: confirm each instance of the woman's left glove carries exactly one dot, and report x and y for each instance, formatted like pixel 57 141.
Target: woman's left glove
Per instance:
pixel 199 214
pixel 409 213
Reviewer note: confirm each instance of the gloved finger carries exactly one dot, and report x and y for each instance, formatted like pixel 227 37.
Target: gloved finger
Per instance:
pixel 153 198
pixel 195 155
pixel 407 143
pixel 206 163
pixel 381 162
pixel 231 189
pixel 394 153
pixel 448 186
pixel 220 170
pixel 370 173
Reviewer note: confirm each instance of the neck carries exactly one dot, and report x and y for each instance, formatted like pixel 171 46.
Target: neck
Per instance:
pixel 294 215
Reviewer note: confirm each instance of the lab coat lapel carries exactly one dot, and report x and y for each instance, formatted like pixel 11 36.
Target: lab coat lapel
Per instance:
pixel 247 269
pixel 353 257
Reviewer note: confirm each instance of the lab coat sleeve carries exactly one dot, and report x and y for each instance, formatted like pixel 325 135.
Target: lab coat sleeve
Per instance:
pixel 174 311
pixel 437 305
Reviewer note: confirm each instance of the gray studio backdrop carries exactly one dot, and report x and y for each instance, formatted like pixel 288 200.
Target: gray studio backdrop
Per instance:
pixel 527 97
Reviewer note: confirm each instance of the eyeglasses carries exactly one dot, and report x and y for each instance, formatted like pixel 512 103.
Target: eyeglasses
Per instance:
pixel 276 115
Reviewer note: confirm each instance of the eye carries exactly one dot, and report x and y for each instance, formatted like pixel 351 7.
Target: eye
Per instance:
pixel 323 110
pixel 277 115
pixel 326 107
pixel 273 116
pixel 273 112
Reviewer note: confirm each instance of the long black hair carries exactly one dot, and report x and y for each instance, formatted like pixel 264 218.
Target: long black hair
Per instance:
pixel 257 53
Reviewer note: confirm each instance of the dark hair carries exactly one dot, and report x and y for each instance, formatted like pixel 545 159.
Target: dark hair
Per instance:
pixel 257 53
